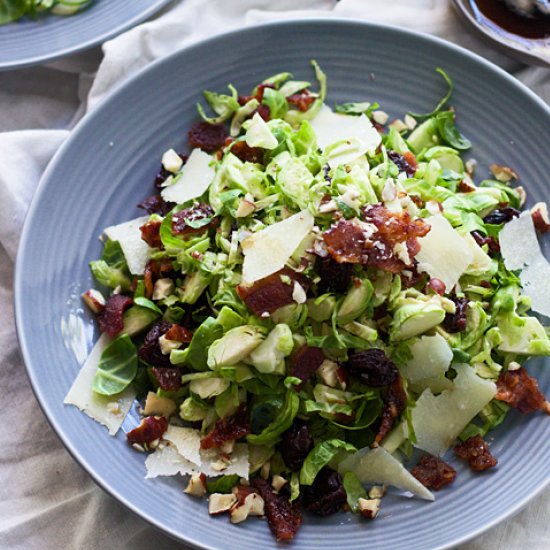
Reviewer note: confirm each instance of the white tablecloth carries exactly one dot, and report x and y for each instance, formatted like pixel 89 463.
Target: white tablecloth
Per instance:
pixel 46 500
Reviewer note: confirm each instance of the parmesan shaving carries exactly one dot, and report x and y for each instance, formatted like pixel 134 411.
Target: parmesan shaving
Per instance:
pixel 521 251
pixel 268 250
pixel 196 177
pixel 187 442
pixel 135 249
pixel 444 254
pixel 107 410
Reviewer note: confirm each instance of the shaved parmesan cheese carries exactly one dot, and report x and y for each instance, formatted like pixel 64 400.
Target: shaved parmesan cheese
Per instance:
pixel 378 466
pixel 238 462
pixel 267 251
pixel 187 442
pixel 443 252
pixel 481 262
pixel 521 250
pixel 135 249
pixel 107 410
pixel 166 461
pixel 431 357
pixel 259 134
pixel 196 176
pixel 357 133
pixel 437 421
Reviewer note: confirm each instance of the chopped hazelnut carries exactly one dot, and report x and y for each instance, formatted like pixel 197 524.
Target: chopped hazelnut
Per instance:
pixel 377 491
pixel 381 117
pixel 94 300
pixel 196 486
pixel 278 482
pixel 369 507
pixel 539 213
pixel 504 174
pixel 219 503
pixel 158 406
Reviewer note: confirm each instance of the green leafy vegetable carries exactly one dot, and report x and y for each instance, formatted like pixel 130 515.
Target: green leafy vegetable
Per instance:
pixel 320 456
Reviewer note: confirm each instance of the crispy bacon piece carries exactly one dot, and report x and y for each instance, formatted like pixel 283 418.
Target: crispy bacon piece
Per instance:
pixel 433 472
pixel 305 362
pixel 150 350
pixel 264 111
pixel 110 319
pixel 395 403
pixel 229 428
pixel 476 451
pixel 206 136
pixel 168 378
pixel 392 228
pixel 192 215
pixel 259 95
pixel 150 233
pixel 155 204
pixel 520 391
pixel 151 428
pixel 302 100
pixel 178 333
pixel 271 293
pixel 246 153
pixel 283 517
pixel 345 242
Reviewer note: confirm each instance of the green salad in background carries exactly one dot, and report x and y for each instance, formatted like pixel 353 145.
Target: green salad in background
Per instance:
pixel 315 296
pixel 12 10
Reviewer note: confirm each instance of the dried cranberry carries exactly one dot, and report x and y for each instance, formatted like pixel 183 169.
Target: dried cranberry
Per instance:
pixel 168 378
pixel 296 444
pixel 305 362
pixel 206 136
pixel 151 428
pixel 283 517
pixel 150 351
pixel 491 242
pixel 264 111
pixel 372 367
pixel 501 215
pixel 246 153
pixel 457 321
pixel 155 204
pixel 326 495
pixel 229 428
pixel 437 285
pixel 184 220
pixel 110 319
pixel 335 277
pixel 401 163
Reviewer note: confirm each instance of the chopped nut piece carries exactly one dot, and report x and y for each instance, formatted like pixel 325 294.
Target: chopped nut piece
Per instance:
pixel 399 125
pixel 257 506
pixel 245 208
pixel 381 117
pixel 171 161
pixel 278 482
pixel 196 486
pixel 166 346
pixel 377 491
pixel 163 288
pixel 253 505
pixel 158 406
pixel 513 365
pixel 94 300
pixel 298 293
pixel 470 165
pixel 227 446
pixel 503 173
pixel 410 122
pixel 113 407
pixel 539 213
pixel 328 373
pixel 521 194
pixel 219 503
pixel 369 508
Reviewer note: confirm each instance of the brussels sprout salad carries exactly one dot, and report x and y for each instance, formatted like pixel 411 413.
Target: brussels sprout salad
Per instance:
pixel 13 10
pixel 319 303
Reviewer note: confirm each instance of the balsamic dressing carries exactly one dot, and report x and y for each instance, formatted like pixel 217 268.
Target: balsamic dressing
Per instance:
pixel 496 14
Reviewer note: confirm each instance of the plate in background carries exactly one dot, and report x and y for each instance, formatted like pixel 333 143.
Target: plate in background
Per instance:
pixel 32 42
pixel 108 165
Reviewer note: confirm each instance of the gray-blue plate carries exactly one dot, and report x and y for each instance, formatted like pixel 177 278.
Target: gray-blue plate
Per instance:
pixel 108 165
pixel 31 42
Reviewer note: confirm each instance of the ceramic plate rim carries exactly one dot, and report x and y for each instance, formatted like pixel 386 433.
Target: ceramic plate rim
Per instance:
pixel 81 127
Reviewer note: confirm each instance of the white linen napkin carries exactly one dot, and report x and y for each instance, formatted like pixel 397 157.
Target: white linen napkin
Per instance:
pixel 46 500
